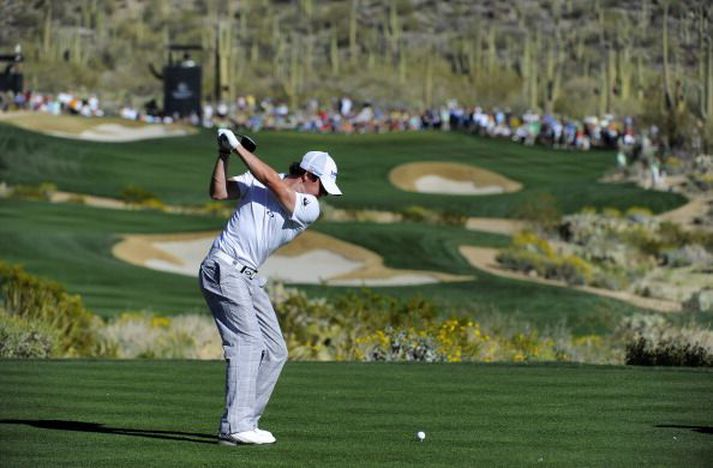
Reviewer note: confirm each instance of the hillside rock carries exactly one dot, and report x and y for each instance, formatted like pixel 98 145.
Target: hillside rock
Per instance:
pixel 701 301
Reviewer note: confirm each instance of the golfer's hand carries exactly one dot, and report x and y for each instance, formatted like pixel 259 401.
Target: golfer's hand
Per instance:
pixel 227 141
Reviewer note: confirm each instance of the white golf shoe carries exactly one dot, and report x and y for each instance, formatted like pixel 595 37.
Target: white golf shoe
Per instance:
pixel 267 434
pixel 254 437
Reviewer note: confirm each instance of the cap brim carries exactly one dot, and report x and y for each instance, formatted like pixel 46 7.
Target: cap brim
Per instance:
pixel 330 186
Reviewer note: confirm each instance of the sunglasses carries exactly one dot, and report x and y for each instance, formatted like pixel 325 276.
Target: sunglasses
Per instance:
pixel 314 178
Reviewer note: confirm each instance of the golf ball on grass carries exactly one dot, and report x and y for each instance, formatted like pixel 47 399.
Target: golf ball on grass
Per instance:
pixel 421 435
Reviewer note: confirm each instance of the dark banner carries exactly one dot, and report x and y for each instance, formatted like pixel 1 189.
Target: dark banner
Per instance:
pixel 11 82
pixel 182 90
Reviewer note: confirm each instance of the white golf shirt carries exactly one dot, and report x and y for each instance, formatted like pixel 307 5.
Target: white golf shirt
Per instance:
pixel 260 224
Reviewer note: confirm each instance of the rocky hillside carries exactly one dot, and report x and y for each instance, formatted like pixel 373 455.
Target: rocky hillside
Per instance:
pixel 570 56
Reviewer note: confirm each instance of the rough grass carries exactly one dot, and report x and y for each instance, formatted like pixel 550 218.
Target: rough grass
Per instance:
pixel 155 413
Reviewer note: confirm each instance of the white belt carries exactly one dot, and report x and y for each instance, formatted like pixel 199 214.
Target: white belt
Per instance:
pixel 245 270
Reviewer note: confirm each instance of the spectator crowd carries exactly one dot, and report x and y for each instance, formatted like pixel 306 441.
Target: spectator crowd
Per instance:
pixel 344 116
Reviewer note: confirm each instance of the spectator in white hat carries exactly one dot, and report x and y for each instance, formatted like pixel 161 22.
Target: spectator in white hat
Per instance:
pixel 272 209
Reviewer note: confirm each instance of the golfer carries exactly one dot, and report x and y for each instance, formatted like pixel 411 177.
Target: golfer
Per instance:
pixel 272 209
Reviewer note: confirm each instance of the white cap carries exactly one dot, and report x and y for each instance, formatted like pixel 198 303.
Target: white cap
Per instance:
pixel 323 166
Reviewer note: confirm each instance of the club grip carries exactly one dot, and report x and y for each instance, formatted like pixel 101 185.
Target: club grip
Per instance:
pixel 248 143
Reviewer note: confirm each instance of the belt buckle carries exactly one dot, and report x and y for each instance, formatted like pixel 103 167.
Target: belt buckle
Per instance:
pixel 247 271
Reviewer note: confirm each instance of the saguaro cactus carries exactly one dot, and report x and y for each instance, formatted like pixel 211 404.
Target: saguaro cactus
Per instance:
pixel 610 77
pixel 492 52
pixel 553 77
pixel 296 71
pixel 623 58
pixel 47 30
pixel 668 97
pixel 394 30
pixel 525 66
pixel 428 81
pixel 706 87
pixel 533 77
pixel 603 84
pixel 403 65
pixel 702 16
pixel 223 61
pixel 477 50
pixel 353 28
pixel 334 51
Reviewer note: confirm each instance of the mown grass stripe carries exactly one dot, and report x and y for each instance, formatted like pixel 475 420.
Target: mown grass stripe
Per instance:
pixel 359 415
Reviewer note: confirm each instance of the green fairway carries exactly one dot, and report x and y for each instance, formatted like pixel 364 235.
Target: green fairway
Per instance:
pixel 72 243
pixel 149 413
pixel 177 169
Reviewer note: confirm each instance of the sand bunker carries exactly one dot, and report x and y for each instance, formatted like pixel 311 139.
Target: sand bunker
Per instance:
pixel 450 179
pixel 507 227
pixel 107 129
pixel 312 258
pixel 117 133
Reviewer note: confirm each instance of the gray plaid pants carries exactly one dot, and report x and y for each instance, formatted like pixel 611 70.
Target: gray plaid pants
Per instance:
pixel 253 346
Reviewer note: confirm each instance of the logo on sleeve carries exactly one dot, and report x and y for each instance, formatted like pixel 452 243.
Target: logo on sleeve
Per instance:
pixel 305 201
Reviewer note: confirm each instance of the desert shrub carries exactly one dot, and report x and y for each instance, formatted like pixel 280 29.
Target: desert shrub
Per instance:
pixel 673 235
pixel 142 335
pixel 611 277
pixel 703 182
pixel 454 219
pixel 638 211
pixel 418 214
pixel 451 340
pixel 321 329
pixel 573 270
pixel 653 340
pixel 668 352
pixel 455 340
pixel 687 255
pixel 531 253
pixel 609 212
pixel 369 326
pixel 644 240
pixel 401 345
pixel 700 301
pixel 77 199
pixel 314 329
pixel 655 240
pixel 540 209
pixel 522 260
pixel 37 300
pixel 140 197
pixel 673 165
pixel 153 204
pixel 218 209
pixel 42 191
pixel 21 338
pixel 593 349
pixel 531 242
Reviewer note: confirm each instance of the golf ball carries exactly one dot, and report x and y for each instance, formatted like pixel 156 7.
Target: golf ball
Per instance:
pixel 421 435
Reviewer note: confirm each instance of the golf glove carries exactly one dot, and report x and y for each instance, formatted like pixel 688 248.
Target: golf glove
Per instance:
pixel 227 140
